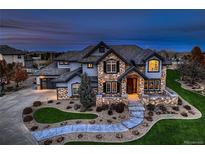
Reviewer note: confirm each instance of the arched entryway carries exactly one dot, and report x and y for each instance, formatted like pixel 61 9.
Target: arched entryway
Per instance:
pixel 132 87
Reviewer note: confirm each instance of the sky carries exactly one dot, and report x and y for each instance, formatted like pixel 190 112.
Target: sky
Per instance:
pixel 63 30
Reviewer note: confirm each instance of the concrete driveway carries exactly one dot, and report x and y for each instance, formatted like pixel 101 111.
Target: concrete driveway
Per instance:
pixel 12 129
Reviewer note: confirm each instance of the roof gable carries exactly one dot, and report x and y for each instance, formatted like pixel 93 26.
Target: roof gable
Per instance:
pixel 154 54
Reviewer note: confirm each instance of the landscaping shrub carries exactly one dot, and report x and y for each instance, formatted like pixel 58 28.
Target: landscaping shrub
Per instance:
pixel 68 107
pixel 77 106
pixel 105 107
pixel 58 103
pixel 109 121
pixel 47 142
pixel 114 118
pixel 34 128
pixel 27 110
pixel 176 108
pixel 92 121
pixel 71 102
pixel 120 108
pixel 162 108
pixel 150 107
pixel 110 112
pixel 60 139
pixel 50 101
pixel 149 118
pixel 99 109
pixel 179 101
pixel 113 106
pixel 187 107
pixel 37 103
pixel 150 113
pixel 135 132
pixel 27 118
pixel 80 136
pixel 119 135
pixel 78 122
pixel 99 136
pixel 184 114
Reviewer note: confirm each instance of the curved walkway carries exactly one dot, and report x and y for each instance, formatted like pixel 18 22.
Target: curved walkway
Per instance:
pixel 136 117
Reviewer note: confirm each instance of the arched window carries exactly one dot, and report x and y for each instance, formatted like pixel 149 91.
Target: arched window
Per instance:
pixel 153 65
pixel 75 87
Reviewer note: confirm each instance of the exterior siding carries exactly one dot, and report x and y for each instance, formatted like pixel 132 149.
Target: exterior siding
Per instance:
pixel 72 66
pixel 14 59
pixel 90 71
pixel 156 75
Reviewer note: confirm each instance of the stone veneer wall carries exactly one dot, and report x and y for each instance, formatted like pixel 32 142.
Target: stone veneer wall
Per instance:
pixel 163 78
pixel 168 98
pixel 62 93
pixel 100 100
pixel 102 77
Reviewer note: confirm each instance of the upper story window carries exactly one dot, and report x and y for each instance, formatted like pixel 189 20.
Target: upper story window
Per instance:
pixel 111 66
pixel 63 62
pixel 89 65
pixel 153 65
pixel 102 49
pixel 19 57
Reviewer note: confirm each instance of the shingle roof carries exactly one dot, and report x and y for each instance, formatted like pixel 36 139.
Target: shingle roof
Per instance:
pixel 7 50
pixel 130 69
pixel 70 56
pixel 51 70
pixel 68 75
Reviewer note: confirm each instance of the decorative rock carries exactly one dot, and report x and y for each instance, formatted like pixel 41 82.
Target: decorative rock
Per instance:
pixel 34 128
pixel 63 123
pixel 101 120
pixel 180 102
pixel 149 118
pixel 114 118
pixel 145 124
pixel 92 121
pixel 80 136
pixel 37 103
pixel 99 136
pixel 150 113
pixel 135 132
pixel 60 139
pixel 27 118
pixel 122 116
pixel 90 109
pixel 158 113
pixel 27 110
pixel 191 112
pixel 47 126
pixel 47 142
pixel 119 135
pixel 50 101
pixel 68 107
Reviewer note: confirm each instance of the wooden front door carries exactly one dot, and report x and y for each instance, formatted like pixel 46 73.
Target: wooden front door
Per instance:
pixel 131 85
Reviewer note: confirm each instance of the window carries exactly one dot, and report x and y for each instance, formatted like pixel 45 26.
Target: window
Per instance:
pixel 111 87
pixel 75 87
pixel 19 56
pixel 111 66
pixel 153 65
pixel 152 85
pixel 89 65
pixel 102 49
pixel 63 63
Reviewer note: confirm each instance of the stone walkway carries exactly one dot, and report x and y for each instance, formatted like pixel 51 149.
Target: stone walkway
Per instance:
pixel 136 117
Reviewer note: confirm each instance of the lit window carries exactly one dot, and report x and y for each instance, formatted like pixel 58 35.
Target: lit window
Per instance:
pixel 63 63
pixel 111 66
pixel 89 65
pixel 153 66
pixel 75 88
pixel 152 85
pixel 111 87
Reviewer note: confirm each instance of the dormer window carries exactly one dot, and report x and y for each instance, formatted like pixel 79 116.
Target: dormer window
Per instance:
pixel 111 66
pixel 63 62
pixel 102 49
pixel 89 65
pixel 153 65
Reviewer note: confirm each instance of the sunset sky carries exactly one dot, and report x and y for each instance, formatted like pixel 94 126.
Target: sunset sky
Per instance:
pixel 63 30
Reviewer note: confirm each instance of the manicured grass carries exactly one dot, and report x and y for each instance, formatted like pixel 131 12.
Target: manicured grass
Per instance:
pixel 53 115
pixel 174 131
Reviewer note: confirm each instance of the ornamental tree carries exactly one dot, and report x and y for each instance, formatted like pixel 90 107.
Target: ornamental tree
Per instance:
pixel 19 74
pixel 86 93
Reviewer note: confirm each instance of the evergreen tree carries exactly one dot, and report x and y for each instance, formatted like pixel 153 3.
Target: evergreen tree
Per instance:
pixel 87 95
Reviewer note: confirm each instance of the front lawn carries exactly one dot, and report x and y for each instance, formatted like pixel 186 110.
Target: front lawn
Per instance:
pixel 174 131
pixel 53 115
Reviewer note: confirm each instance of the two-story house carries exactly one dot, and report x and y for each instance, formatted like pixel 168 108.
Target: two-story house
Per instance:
pixel 117 73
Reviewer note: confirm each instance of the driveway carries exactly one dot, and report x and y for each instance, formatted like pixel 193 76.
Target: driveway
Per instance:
pixel 12 129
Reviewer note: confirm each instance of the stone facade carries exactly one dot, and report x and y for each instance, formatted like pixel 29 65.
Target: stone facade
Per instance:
pixel 163 78
pixel 100 100
pixel 62 93
pixel 166 98
pixel 102 77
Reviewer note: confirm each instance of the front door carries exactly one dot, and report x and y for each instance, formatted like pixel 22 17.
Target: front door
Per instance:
pixel 131 85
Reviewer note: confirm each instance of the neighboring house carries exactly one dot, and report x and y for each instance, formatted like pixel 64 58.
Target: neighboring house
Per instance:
pixel 117 73
pixel 12 55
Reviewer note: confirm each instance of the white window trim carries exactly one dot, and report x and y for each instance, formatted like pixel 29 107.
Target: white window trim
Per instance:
pixel 113 66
